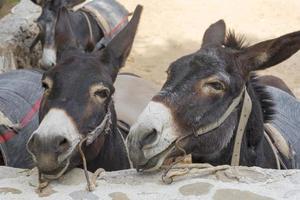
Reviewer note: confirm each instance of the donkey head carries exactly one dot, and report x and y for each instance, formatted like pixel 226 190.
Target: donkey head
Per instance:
pixel 199 89
pixel 77 103
pixel 47 23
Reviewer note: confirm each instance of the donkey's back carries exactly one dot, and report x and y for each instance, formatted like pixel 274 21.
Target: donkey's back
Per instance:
pixel 287 119
pixel 20 95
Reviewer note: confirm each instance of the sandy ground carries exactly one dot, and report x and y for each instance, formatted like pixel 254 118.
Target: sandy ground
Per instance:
pixel 8 4
pixel 170 29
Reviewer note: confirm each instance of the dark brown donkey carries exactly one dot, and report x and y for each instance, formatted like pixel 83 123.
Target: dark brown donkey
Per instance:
pixel 87 30
pixel 78 104
pixel 205 105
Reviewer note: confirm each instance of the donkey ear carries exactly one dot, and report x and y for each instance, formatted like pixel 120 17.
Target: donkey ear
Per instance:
pixel 120 47
pixel 215 34
pixel 269 53
pixel 38 2
pixel 72 3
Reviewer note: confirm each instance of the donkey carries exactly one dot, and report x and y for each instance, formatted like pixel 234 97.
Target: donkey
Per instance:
pixel 77 103
pixel 213 107
pixel 91 24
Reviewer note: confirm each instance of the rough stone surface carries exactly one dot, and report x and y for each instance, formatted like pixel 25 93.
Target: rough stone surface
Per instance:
pixel 130 185
pixel 118 196
pixel 195 189
pixel 16 35
pixel 5 190
pixel 232 194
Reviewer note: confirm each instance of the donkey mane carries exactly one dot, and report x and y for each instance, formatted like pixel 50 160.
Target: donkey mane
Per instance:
pixel 264 97
pixel 235 41
pixel 238 42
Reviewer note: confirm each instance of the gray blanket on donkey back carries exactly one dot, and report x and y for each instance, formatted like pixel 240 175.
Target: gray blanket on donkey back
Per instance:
pixel 287 119
pixel 110 15
pixel 20 94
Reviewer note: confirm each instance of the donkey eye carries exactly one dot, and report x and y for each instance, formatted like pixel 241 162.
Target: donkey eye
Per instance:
pixel 218 86
pixel 104 93
pixel 45 85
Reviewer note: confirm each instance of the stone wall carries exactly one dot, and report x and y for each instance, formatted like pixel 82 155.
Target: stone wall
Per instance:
pixel 239 183
pixel 17 31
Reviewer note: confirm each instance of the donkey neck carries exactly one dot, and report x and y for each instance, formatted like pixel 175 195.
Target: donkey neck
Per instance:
pixel 255 150
pixel 80 23
pixel 113 154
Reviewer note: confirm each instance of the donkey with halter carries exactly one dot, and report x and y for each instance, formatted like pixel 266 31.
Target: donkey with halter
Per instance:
pixel 213 107
pixel 77 104
pixel 20 97
pixel 91 24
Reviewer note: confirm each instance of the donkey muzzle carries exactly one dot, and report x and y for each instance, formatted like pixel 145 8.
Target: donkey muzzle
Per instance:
pixel 54 142
pixel 48 58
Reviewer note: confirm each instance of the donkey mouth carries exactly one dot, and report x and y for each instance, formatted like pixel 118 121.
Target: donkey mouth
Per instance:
pixel 157 161
pixel 56 173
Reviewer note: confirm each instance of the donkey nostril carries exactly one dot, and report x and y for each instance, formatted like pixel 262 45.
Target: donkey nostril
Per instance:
pixel 32 142
pixel 63 142
pixel 149 138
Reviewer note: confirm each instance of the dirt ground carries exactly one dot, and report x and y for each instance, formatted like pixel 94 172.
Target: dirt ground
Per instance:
pixel 170 29
pixel 7 5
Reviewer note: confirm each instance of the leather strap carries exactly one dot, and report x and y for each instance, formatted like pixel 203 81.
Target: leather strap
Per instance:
pixel 244 116
pixel 89 25
pixel 245 113
pixel 274 150
pixel 102 128
pixel 230 109
pixel 278 140
pixel 101 19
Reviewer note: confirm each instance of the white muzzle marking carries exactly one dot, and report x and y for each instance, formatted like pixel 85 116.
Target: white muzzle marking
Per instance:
pixel 57 122
pixel 49 57
pixel 159 117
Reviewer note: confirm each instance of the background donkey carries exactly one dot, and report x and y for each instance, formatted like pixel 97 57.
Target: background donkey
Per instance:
pixel 89 24
pixel 201 102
